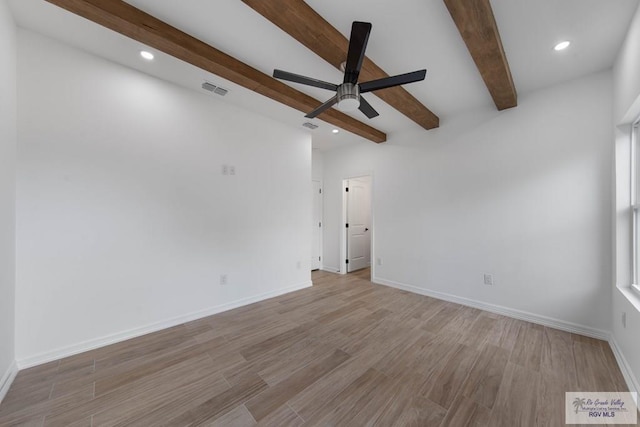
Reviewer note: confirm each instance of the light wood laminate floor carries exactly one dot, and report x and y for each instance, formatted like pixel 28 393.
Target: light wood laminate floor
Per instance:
pixel 344 352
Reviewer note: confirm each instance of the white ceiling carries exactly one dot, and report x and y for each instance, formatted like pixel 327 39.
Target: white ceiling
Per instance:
pixel 406 36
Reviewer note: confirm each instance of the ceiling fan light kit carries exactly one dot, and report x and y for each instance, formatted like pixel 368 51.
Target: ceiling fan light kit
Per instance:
pixel 347 97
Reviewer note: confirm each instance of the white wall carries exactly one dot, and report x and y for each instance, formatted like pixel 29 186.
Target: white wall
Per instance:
pixel 522 194
pixel 317 165
pixel 626 79
pixel 8 137
pixel 125 220
pixel 625 73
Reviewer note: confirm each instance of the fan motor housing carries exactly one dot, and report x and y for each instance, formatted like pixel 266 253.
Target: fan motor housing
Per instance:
pixel 348 97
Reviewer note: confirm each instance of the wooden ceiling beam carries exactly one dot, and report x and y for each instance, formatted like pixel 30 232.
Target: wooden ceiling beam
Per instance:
pixel 129 21
pixel 478 28
pixel 300 21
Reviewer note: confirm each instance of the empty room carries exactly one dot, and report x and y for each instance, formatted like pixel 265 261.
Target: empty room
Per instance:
pixel 300 213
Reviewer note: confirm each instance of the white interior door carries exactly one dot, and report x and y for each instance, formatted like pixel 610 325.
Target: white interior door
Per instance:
pixel 359 223
pixel 316 225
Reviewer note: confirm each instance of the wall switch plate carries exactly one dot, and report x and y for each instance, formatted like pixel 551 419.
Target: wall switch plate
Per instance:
pixel 488 279
pixel 378 261
pixel 624 319
pixel 223 279
pixel 298 265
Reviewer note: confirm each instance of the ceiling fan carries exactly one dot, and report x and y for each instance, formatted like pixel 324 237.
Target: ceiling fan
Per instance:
pixel 348 93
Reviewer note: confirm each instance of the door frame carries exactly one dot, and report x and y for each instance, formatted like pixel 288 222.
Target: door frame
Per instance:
pixel 343 230
pixel 321 232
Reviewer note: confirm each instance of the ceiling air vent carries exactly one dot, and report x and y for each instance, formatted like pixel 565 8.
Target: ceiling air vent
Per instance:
pixel 220 91
pixel 208 86
pixel 310 125
pixel 215 89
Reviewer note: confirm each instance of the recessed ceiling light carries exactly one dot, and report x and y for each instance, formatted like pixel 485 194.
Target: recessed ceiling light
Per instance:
pixel 335 130
pixel 146 55
pixel 562 45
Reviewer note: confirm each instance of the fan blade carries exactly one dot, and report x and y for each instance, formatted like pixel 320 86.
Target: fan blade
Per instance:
pixel 330 103
pixel 296 78
pixel 398 80
pixel 357 45
pixel 367 109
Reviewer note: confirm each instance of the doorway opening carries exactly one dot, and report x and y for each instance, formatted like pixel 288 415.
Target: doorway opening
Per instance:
pixel 356 237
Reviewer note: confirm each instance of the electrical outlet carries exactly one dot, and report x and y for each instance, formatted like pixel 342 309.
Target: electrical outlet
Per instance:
pixel 488 279
pixel 225 169
pixel 624 319
pixel 232 170
pixel 298 265
pixel 223 279
pixel 379 261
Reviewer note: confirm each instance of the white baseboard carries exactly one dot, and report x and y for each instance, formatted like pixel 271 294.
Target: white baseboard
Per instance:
pixel 627 373
pixel 92 344
pixel 7 379
pixel 498 309
pixel 330 269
